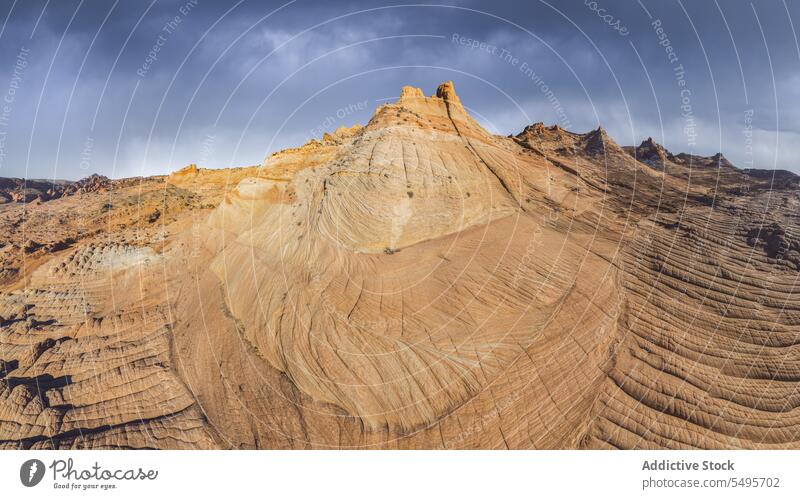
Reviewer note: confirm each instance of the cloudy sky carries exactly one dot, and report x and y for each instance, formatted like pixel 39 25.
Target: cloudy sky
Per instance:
pixel 126 88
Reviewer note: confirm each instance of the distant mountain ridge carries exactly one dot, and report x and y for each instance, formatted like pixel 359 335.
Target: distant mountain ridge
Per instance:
pixel 25 191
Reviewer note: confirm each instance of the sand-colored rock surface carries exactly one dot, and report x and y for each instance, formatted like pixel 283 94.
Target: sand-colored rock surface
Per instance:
pixel 413 283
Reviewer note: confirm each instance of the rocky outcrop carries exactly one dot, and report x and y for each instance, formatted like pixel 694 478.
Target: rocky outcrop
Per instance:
pixel 652 153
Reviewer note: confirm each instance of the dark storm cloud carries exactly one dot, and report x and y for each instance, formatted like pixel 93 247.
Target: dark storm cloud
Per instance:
pixel 131 88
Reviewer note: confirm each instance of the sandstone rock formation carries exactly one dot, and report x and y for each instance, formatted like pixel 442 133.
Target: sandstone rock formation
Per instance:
pixel 413 283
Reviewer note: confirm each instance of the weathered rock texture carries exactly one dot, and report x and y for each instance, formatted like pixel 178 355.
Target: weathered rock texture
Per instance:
pixel 413 283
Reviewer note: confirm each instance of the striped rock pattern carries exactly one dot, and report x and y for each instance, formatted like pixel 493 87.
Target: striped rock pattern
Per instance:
pixel 413 283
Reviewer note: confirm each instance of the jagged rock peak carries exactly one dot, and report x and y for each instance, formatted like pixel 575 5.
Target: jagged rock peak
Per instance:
pixel 721 160
pixel 598 134
pixel 447 91
pixel 540 129
pixel 598 141
pixel 409 92
pixel 414 108
pixel 650 143
pixel 413 96
pixel 537 129
pixel 649 149
pixel 414 99
pixel 342 133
